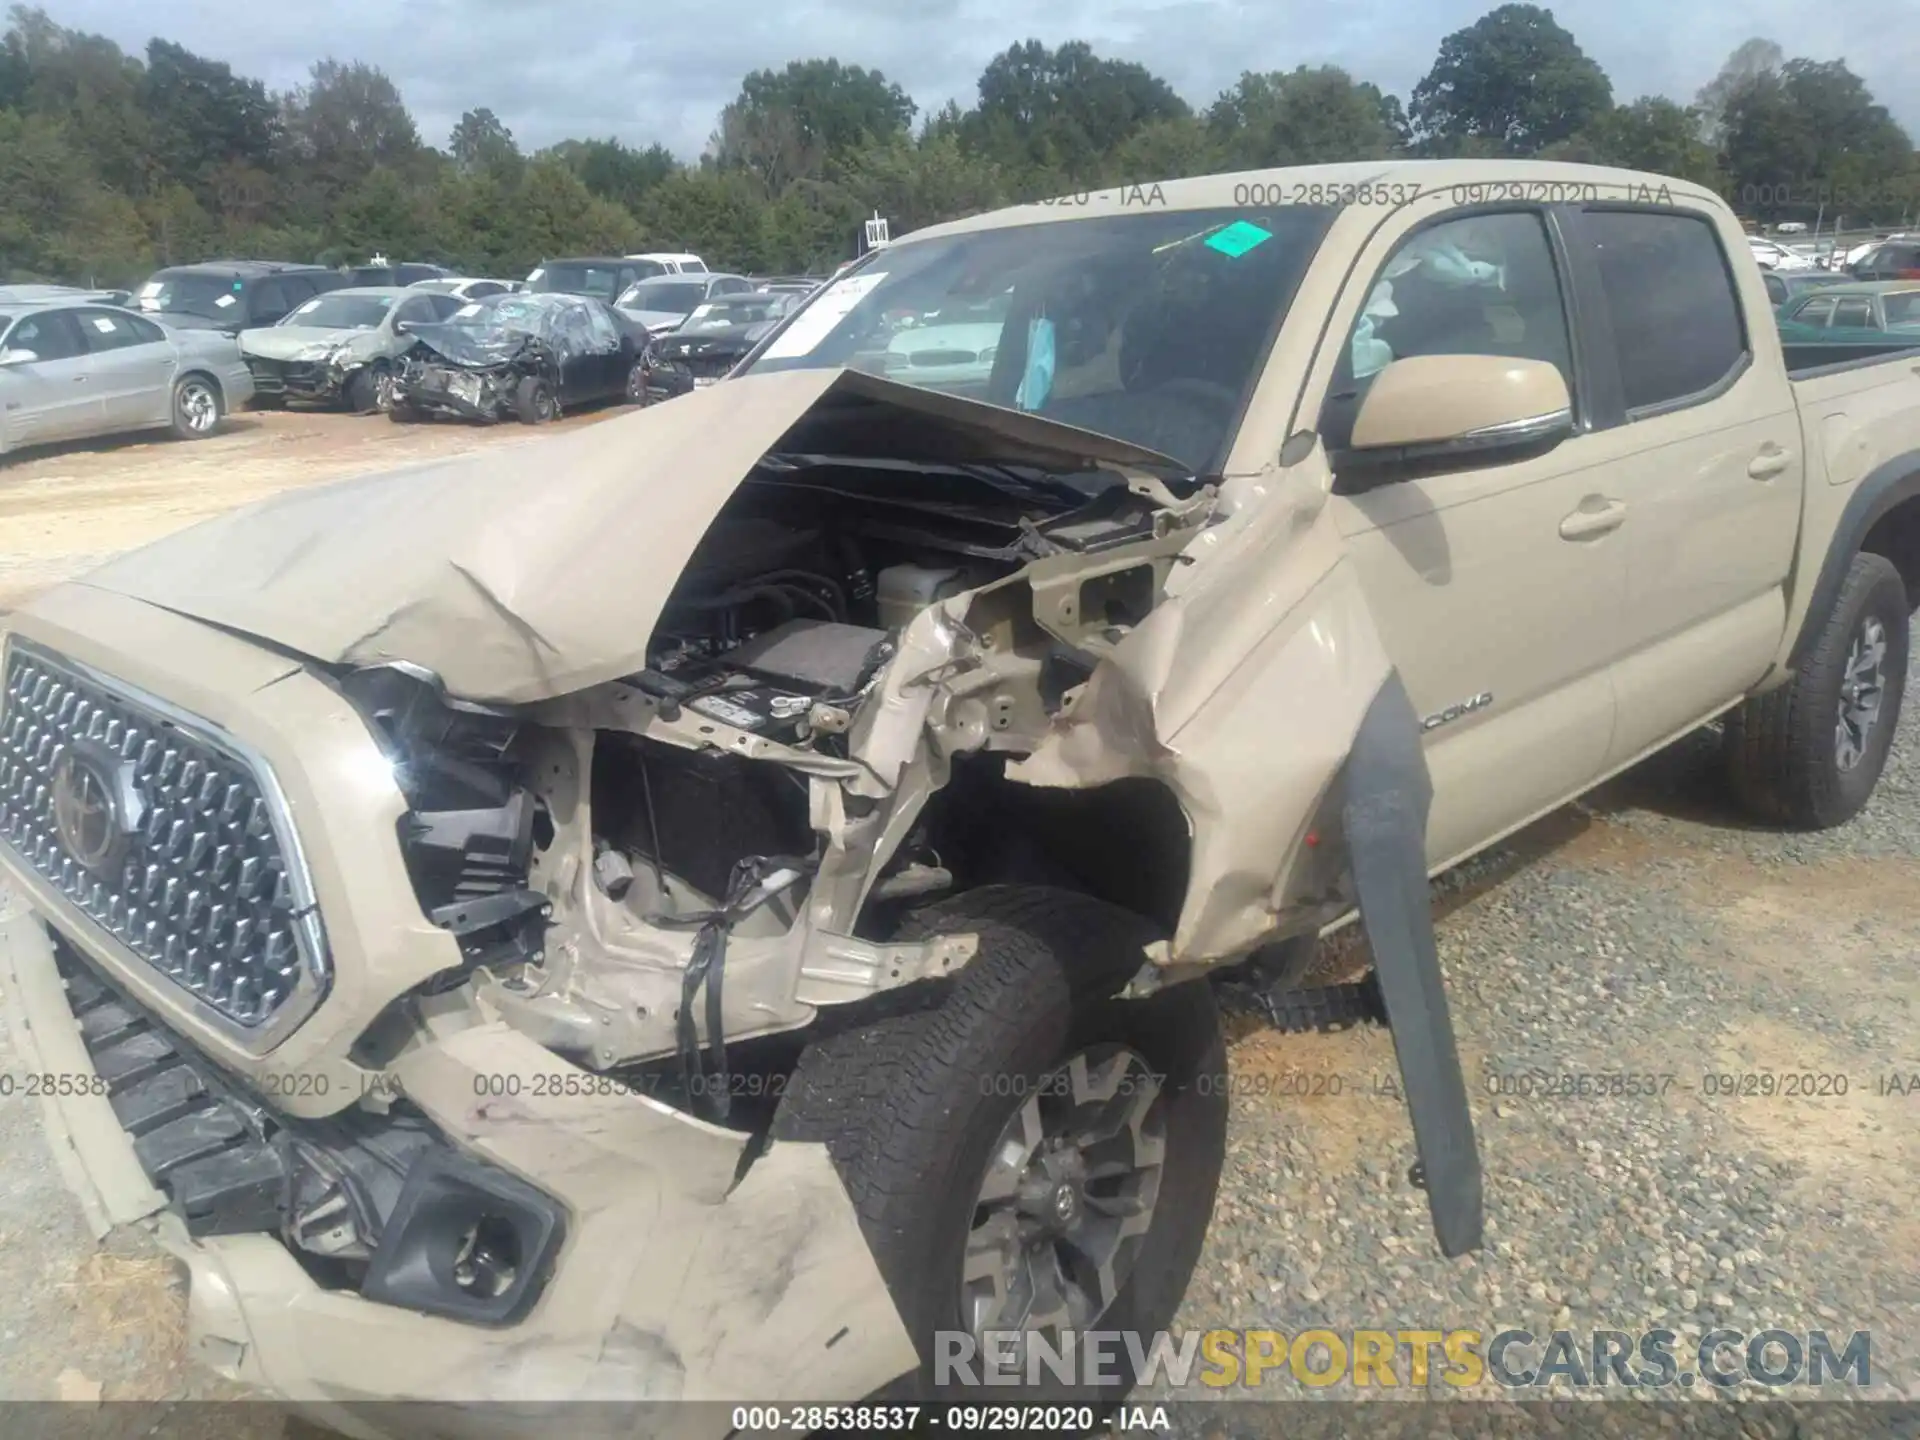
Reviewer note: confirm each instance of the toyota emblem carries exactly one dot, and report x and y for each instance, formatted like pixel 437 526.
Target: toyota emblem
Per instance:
pixel 87 812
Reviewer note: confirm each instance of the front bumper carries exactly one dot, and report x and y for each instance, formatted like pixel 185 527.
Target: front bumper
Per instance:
pixel 313 381
pixel 680 1277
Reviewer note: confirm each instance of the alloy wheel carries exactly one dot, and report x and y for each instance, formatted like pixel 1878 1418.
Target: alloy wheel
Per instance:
pixel 1067 1199
pixel 1863 688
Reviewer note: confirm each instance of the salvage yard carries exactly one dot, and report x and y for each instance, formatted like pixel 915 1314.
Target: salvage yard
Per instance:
pixel 1649 931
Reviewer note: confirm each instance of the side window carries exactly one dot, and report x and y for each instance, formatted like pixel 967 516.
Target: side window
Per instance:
pixel 298 289
pixel 441 306
pixel 1858 312
pixel 269 301
pixel 1776 288
pixel 480 289
pixel 416 310
pixel 1670 295
pixel 694 267
pixel 50 335
pixel 111 330
pixel 1483 285
pixel 1818 311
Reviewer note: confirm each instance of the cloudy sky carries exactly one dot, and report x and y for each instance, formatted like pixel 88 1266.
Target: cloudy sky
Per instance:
pixel 660 71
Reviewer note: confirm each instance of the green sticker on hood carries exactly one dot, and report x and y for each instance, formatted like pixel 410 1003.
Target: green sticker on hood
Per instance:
pixel 1238 238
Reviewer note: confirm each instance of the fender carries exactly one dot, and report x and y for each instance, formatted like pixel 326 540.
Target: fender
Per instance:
pixel 1387 796
pixel 1883 487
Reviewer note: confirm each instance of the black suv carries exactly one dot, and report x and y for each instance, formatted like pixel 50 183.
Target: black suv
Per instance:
pixel 232 295
pixel 1895 260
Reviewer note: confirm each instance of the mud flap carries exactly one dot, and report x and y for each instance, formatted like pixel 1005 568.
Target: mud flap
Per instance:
pixel 1387 796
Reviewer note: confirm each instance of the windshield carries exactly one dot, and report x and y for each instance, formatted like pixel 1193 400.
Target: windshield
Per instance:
pixel 572 278
pixel 718 314
pixel 212 297
pixel 671 297
pixel 342 312
pixel 1150 327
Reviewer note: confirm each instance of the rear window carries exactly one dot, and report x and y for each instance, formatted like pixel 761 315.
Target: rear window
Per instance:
pixel 1670 296
pixel 600 281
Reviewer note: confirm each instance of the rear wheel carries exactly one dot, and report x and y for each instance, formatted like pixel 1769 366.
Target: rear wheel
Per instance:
pixel 1808 754
pixel 533 401
pixel 1030 1154
pixel 196 407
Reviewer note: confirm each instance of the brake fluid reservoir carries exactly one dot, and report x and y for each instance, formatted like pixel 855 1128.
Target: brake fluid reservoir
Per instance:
pixel 906 590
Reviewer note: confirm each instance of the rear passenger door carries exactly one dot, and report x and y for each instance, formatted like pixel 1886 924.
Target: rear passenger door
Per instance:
pixel 133 365
pixel 1703 451
pixel 51 396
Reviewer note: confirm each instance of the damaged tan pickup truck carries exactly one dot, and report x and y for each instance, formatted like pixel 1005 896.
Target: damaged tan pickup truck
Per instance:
pixel 699 905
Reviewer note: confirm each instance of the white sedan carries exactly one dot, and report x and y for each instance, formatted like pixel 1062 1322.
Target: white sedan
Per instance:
pixel 1773 256
pixel 73 371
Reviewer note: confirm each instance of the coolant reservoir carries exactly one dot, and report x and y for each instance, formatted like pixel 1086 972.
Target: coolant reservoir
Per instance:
pixel 906 590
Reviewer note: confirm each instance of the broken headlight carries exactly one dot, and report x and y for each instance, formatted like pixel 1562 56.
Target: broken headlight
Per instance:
pixel 468 834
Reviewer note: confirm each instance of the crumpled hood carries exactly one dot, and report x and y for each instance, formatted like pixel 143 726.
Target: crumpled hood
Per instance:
pixel 527 571
pixel 292 342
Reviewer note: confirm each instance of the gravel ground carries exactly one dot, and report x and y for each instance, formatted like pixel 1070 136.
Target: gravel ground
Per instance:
pixel 1648 930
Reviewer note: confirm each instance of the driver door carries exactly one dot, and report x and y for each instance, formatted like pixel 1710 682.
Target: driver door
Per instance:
pixel 1497 589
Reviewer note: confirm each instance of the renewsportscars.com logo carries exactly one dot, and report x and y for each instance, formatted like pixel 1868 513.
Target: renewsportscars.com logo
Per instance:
pixel 1383 1359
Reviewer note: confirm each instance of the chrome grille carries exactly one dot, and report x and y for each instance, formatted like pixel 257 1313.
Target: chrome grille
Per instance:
pixel 162 833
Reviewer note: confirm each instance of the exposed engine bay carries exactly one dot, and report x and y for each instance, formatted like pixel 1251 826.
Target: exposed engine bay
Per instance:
pixel 717 847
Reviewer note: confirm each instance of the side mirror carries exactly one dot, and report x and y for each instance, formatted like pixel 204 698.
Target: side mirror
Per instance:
pixel 18 357
pixel 1457 410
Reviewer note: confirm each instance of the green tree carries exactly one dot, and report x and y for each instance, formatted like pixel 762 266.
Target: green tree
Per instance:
pixel 786 125
pixel 1650 134
pixel 557 215
pixel 344 123
pixel 92 88
pixel 1749 61
pixel 481 141
pixel 613 171
pixel 1810 139
pixel 203 118
pixel 1513 79
pixel 1057 115
pixel 1306 117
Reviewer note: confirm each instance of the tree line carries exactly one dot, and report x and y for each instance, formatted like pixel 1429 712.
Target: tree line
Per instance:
pixel 112 164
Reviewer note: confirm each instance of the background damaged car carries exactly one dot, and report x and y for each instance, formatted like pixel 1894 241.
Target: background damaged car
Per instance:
pixel 338 348
pixel 527 357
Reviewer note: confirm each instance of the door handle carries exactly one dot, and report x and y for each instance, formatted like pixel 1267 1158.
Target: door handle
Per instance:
pixel 1768 463
pixel 1596 516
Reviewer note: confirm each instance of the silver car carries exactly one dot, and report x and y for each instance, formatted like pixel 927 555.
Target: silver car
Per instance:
pixel 339 347
pixel 70 371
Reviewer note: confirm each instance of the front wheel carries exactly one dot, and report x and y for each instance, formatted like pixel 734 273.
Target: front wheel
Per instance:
pixel 534 403
pixel 1029 1155
pixel 196 407
pixel 637 391
pixel 1808 754
pixel 370 390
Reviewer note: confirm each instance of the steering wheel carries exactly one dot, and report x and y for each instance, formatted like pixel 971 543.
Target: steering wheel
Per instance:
pixel 1208 392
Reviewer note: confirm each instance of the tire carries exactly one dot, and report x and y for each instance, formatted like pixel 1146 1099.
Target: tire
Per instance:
pixel 636 392
pixel 913 1109
pixel 1784 749
pixel 197 407
pixel 369 390
pixel 533 402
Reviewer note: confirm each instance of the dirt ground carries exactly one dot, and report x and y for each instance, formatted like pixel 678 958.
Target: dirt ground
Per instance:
pixel 66 508
pixel 1647 930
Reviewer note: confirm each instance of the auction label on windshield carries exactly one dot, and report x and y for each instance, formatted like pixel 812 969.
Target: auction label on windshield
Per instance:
pixel 816 322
